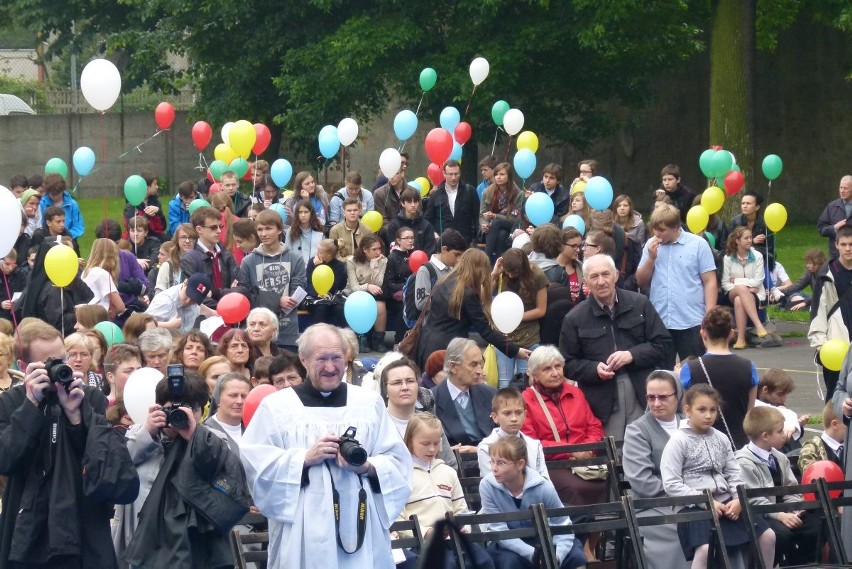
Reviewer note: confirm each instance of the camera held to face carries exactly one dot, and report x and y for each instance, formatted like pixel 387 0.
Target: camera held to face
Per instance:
pixel 351 450
pixel 175 417
pixel 59 372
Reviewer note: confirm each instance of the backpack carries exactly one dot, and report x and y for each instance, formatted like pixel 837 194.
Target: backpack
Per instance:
pixel 410 312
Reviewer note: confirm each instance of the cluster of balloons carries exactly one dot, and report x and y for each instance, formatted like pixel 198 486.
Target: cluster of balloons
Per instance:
pixel 331 137
pixel 240 140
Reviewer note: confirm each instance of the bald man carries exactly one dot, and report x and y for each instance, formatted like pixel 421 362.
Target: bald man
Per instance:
pixel 836 214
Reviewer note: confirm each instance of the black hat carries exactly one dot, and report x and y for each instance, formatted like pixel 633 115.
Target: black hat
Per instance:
pixel 197 287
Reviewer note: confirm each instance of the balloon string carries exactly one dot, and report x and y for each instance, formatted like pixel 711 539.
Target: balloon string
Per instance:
pixel 417 112
pixel 62 311
pixel 769 192
pixel 14 318
pixel 508 148
pixel 494 146
pixel 103 157
pixel 469 101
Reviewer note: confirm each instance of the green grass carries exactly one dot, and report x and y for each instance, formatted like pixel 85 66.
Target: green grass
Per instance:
pixel 93 213
pixel 791 243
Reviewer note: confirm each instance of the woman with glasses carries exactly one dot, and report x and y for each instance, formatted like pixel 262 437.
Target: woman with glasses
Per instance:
pixel 236 346
pixel 644 441
pixel 585 170
pixel 79 354
pixel 396 273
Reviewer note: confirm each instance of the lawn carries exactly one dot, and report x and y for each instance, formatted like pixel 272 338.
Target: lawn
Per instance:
pixel 790 246
pixel 93 213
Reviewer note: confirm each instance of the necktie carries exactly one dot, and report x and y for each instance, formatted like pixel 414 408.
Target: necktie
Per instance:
pixel 840 454
pixel 464 399
pixel 217 270
pixel 773 465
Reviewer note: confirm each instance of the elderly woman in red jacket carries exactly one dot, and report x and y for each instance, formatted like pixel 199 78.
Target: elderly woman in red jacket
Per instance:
pixel 558 414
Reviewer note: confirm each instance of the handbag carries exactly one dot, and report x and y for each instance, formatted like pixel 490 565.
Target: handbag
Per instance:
pixel 408 346
pixel 721 414
pixel 492 372
pixel 590 472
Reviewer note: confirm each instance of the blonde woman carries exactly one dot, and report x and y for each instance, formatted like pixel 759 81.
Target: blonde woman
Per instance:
pixel 80 350
pixel 8 376
pixel 101 275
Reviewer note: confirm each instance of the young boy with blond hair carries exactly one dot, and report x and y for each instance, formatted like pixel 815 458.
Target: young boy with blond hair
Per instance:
pixel 828 445
pixel 773 389
pixel 509 410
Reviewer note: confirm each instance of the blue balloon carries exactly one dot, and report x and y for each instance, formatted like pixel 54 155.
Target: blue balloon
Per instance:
pixel 576 222
pixel 84 160
pixel 450 117
pixel 524 162
pixel 539 208
pixel 360 310
pixel 415 184
pixel 281 172
pixel 405 124
pixel 329 143
pixel 280 210
pixel 456 153
pixel 598 193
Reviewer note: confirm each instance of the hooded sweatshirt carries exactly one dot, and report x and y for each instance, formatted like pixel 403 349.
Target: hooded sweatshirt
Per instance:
pixel 270 277
pixel 435 491
pixel 424 233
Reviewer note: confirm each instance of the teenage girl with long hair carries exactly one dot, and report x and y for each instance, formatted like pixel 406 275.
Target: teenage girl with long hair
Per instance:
pixel 500 210
pixel 101 275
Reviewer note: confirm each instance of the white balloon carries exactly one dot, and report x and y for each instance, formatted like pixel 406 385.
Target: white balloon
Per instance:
pixel 390 162
pixel 226 132
pixel 10 220
pixel 507 311
pixel 513 121
pixel 347 131
pixel 521 240
pixel 479 70
pixel 100 83
pixel 139 393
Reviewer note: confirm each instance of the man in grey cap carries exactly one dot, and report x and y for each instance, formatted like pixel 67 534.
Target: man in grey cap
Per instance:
pixel 178 307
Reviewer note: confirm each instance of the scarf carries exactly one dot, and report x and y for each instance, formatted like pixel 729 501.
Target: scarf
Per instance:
pixel 552 393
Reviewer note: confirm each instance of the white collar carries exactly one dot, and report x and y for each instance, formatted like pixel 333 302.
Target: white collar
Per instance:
pixel 436 260
pixel 454 391
pixel 831 443
pixel 759 452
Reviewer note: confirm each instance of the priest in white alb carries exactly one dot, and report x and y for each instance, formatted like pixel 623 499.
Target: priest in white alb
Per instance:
pixel 298 474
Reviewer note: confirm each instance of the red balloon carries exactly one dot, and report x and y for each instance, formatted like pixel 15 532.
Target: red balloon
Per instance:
pixel 215 188
pixel 439 145
pixel 201 135
pixel 416 260
pixel 734 182
pixel 253 400
pixel 462 132
pixel 263 138
pixel 822 469
pixel 164 115
pixel 435 173
pixel 233 307
pixel 717 147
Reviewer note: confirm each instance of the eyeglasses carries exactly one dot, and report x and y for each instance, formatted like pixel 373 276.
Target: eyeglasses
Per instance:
pixel 80 355
pixel 586 172
pixel 575 246
pixel 401 382
pixel 216 227
pixel 502 463
pixel 185 238
pixel 409 238
pixel 587 245
pixel 654 398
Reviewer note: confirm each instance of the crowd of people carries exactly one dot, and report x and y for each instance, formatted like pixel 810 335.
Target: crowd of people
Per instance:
pixel 629 329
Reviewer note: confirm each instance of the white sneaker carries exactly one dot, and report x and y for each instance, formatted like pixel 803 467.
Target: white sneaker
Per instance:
pixel 776 294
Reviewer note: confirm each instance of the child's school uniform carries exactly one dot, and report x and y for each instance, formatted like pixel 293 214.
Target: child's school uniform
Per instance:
pixel 535 452
pixel 517 553
pixel 693 462
pixel 763 469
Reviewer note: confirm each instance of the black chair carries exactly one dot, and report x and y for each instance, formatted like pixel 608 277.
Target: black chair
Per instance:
pixel 718 555
pixel 245 556
pixel 413 541
pixel 844 500
pixel 604 455
pixel 467 464
pixel 470 488
pixel 531 532
pixel 752 511
pixel 608 517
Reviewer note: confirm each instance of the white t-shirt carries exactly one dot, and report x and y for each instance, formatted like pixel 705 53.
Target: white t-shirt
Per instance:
pixel 101 284
pixel 234 431
pixel 779 275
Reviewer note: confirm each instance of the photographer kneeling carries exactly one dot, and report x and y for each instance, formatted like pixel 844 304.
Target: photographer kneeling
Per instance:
pixel 193 485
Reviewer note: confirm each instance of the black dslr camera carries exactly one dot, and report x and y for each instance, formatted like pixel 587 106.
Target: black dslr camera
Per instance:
pixel 351 450
pixel 175 417
pixel 59 372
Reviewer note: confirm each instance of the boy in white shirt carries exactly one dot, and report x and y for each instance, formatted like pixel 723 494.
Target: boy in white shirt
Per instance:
pixel 509 410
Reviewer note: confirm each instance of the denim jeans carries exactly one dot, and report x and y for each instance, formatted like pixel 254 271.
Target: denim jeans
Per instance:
pixel 508 367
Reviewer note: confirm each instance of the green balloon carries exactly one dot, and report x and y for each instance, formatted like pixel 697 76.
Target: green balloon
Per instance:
pixel 111 332
pixel 197 203
pixel 428 78
pixel 710 239
pixel 217 168
pixel 498 111
pixel 239 166
pixel 722 162
pixel 772 166
pixel 135 189
pixel 56 166
pixel 736 167
pixel 705 161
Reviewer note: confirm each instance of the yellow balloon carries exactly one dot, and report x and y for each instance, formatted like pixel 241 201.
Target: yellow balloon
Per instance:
pixel 697 218
pixel 713 199
pixel 529 140
pixel 242 138
pixel 322 279
pixel 287 194
pixel 373 220
pixel 775 217
pixel 579 187
pixel 224 153
pixel 832 354
pixel 61 265
pixel 424 185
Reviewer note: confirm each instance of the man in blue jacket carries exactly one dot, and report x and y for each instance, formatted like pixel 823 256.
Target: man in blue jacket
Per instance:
pixel 56 194
pixel 179 206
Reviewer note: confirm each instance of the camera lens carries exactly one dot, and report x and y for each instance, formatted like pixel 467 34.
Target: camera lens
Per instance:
pixel 177 418
pixel 59 372
pixel 353 453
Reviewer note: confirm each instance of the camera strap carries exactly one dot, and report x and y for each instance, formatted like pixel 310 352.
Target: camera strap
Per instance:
pixel 362 512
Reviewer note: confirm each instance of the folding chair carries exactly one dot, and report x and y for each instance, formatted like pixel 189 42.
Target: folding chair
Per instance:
pixel 531 532
pixel 245 556
pixel 467 464
pixel 844 499
pixel 752 511
pixel 414 541
pixel 604 454
pixel 718 555
pixel 608 517
pixel 470 487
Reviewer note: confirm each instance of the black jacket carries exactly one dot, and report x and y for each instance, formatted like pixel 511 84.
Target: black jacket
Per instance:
pixel 424 232
pixel 589 336
pixel 45 511
pixel 561 201
pixel 440 327
pixel 466 218
pixel 396 271
pixel 758 229
pixel 197 261
pixel 199 494
pixel 17 282
pixel 338 268
pixel 481 397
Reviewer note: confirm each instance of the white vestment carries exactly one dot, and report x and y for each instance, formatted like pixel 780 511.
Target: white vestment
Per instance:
pixel 301 520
